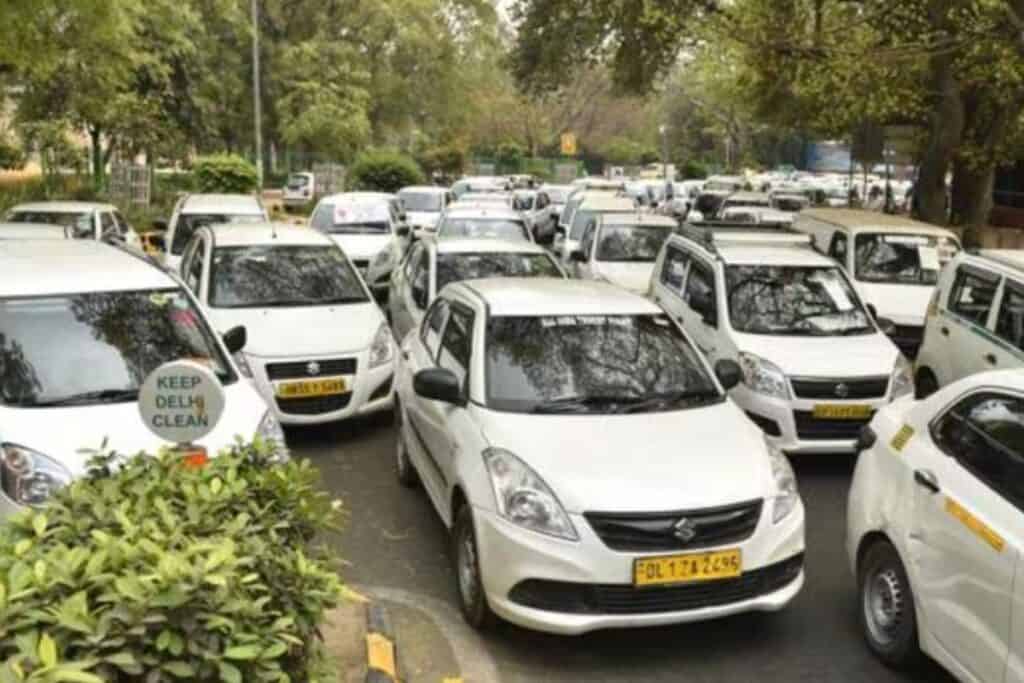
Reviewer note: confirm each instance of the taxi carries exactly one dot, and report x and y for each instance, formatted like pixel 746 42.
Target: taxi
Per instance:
pixel 935 528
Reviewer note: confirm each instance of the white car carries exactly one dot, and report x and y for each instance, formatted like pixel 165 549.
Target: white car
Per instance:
pixel 83 325
pixel 935 530
pixel 423 206
pixel 622 248
pixel 319 349
pixel 584 213
pixel 370 230
pixel 480 184
pixel 85 220
pixel 484 222
pixel 975 321
pixel 432 264
pixel 589 463
pixel 299 191
pixel 755 215
pixel 815 364
pixel 33 231
pixel 194 211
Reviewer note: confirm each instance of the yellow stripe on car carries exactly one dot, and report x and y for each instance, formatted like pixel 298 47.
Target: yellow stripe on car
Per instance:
pixel 900 439
pixel 975 525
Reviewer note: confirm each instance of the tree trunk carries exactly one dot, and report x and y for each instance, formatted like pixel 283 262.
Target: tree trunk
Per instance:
pixel 972 195
pixel 96 153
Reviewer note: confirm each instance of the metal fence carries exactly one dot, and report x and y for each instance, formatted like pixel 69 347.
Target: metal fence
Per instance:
pixel 131 184
pixel 329 178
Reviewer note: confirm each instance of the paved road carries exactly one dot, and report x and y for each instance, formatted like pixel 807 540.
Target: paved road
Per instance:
pixel 394 540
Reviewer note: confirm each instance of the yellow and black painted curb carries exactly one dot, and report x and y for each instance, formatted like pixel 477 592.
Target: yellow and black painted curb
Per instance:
pixel 381 648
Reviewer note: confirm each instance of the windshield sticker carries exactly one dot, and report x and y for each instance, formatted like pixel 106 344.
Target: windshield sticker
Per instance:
pixel 929 257
pixel 349 214
pixel 159 299
pixel 906 239
pixel 835 290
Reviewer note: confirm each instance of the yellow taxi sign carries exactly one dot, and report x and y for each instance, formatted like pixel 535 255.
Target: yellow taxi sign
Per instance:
pixel 975 525
pixel 569 144
pixel 901 438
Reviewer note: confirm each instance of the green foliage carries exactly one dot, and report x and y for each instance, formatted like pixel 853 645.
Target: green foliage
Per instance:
pixel 12 156
pixel 158 571
pixel 384 170
pixel 449 158
pixel 693 170
pixel 509 155
pixel 225 173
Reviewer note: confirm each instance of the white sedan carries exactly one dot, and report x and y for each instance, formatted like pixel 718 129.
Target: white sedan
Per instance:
pixel 936 528
pixel 591 467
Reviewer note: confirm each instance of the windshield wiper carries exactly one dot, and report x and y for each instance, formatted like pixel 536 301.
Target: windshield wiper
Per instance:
pixel 579 404
pixel 100 396
pixel 689 397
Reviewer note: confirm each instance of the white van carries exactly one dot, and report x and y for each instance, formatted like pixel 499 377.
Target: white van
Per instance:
pixel 975 321
pixel 299 191
pixel 816 365
pixel 894 262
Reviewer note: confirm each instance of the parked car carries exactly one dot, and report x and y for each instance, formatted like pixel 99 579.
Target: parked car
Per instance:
pixel 34 231
pixel 975 321
pixel 299 191
pixel 491 222
pixel 194 211
pixel 480 184
pixel 84 324
pixel 433 264
pixel 790 203
pixel 894 262
pixel 319 349
pixel 589 208
pixel 622 248
pixel 935 532
pixel 755 215
pixel 85 220
pixel 747 200
pixel 559 429
pixel 424 206
pixel 816 366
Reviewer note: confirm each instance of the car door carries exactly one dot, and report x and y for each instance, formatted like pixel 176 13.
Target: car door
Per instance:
pixel 702 326
pixel 417 291
pixel 668 287
pixel 1007 351
pixel 456 355
pixel 584 269
pixel 969 308
pixel 399 298
pixel 967 531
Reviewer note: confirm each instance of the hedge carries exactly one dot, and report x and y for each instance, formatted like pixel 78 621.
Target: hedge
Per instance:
pixel 228 173
pixel 384 171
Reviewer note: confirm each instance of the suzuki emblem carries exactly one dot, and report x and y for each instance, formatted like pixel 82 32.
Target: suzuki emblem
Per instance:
pixel 313 369
pixel 685 530
pixel 842 390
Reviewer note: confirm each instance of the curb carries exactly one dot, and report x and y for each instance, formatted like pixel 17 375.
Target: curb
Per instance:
pixel 381 649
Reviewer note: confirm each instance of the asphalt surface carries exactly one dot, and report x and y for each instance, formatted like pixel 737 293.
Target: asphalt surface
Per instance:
pixel 396 543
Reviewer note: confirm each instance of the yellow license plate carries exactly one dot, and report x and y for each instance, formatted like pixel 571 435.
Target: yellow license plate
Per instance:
pixel 312 388
pixel 662 571
pixel 828 411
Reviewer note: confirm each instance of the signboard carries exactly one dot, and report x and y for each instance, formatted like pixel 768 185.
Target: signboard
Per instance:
pixel 569 144
pixel 181 402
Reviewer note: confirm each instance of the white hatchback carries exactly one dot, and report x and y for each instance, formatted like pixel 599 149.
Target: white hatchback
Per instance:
pixel 591 467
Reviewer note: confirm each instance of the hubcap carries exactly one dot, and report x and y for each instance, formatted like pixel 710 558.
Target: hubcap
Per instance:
pixel 884 605
pixel 467 568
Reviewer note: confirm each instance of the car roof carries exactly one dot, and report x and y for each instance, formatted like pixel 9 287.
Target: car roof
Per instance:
pixel 475 245
pixel 606 203
pixel 283 234
pixel 639 218
pixel 547 296
pixel 1009 258
pixel 49 267
pixel 358 197
pixel 874 221
pixel 789 255
pixel 221 203
pixel 493 211
pixel 64 207
pixel 427 189
pixel 745 196
pixel 32 231
pixel 754 245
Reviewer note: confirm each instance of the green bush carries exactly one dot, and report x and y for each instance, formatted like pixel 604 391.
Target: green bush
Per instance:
pixel 225 173
pixel 12 156
pixel 509 157
pixel 693 170
pixel 384 171
pixel 161 571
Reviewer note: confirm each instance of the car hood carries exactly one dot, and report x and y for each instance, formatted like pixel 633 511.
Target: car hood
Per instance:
pixel 651 462
pixel 635 277
pixel 362 247
pixel 868 355
pixel 86 427
pixel 426 219
pixel 903 304
pixel 310 331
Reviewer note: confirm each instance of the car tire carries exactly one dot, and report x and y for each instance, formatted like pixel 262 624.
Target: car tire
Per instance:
pixel 404 468
pixel 925 384
pixel 887 609
pixel 468 579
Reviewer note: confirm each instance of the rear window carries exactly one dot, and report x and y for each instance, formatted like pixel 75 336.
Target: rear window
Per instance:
pixel 188 223
pixel 458 267
pixel 490 228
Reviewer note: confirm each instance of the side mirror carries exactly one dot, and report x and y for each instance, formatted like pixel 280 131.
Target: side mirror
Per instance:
pixel 578 256
pixel 729 373
pixel 235 339
pixel 402 230
pixel 160 224
pixel 438 384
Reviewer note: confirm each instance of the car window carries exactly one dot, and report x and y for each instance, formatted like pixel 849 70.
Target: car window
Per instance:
pixel 107 224
pixel 985 433
pixel 1010 323
pixel 194 277
pixel 188 223
pixel 484 228
pixel 587 241
pixel 580 220
pixel 897 258
pixel 411 257
pixel 419 279
pixel 433 323
pixel 839 248
pixel 972 294
pixel 457 343
pixel 701 283
pixel 631 243
pixel 673 270
pixel 122 224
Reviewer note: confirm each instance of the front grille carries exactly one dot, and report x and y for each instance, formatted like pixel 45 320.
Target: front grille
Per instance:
pixel 852 388
pixel 810 428
pixel 317 405
pixel 622 599
pixel 908 339
pixel 654 532
pixel 300 369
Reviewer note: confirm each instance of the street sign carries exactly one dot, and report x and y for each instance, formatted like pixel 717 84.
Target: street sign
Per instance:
pixel 569 144
pixel 181 402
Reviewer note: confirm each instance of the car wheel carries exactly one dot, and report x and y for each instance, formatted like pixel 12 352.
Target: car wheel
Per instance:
pixel 887 608
pixel 925 384
pixel 472 598
pixel 403 467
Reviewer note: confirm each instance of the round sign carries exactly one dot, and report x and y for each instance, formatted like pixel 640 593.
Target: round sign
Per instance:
pixel 181 401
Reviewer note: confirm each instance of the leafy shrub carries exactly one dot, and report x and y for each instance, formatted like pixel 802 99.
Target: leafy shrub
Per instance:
pixel 509 156
pixel 449 159
pixel 162 571
pixel 225 173
pixel 693 170
pixel 12 157
pixel 384 171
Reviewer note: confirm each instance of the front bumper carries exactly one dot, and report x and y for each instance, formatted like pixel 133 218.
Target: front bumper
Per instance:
pixel 512 558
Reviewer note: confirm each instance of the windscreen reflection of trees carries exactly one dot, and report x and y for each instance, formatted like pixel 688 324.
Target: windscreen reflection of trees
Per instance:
pixel 18 379
pixel 787 300
pixel 459 267
pixel 190 222
pixel 532 360
pixel 878 260
pixel 417 201
pixel 260 276
pixel 81 222
pixel 468 227
pixel 631 244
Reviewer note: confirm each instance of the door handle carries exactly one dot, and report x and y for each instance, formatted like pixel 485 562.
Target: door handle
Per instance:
pixel 926 479
pixel 991 359
pixel 944 331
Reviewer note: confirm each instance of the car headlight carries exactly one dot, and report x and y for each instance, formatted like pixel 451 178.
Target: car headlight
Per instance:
pixel 243 364
pixel 270 430
pixel 787 495
pixel 763 377
pixel 382 350
pixel 902 378
pixel 28 477
pixel 523 498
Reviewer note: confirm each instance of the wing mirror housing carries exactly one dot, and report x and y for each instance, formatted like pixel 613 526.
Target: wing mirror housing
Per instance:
pixel 235 339
pixel 439 384
pixel 729 373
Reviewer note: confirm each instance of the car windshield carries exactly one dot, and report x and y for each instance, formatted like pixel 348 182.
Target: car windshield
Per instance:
pixel 284 276
pixel 458 267
pixel 422 201
pixel 500 228
pixel 901 258
pixel 600 363
pixel 89 348
pixel 297 182
pixel 188 223
pixel 793 300
pixel 371 218
pixel 80 223
pixel 636 243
